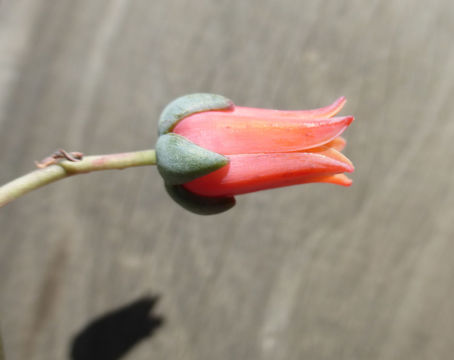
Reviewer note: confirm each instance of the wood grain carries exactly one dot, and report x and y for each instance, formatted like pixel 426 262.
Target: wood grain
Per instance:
pixel 309 272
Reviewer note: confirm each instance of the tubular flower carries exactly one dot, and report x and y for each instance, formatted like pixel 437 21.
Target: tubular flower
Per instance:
pixel 210 150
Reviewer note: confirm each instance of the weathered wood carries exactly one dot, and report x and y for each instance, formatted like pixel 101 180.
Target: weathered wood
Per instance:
pixel 310 272
pixel 1 348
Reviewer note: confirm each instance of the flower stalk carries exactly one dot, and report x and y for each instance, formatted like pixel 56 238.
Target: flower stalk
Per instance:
pixel 209 150
pixel 66 168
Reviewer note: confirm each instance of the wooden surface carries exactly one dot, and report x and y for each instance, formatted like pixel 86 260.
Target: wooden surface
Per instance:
pixel 309 272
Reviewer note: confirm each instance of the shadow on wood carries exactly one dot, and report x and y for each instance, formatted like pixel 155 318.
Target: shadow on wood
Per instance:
pixel 112 335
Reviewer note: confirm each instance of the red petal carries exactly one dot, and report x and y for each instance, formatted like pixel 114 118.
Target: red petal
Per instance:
pixel 332 153
pixel 229 133
pixel 249 173
pixel 338 179
pixel 324 112
pixel 337 143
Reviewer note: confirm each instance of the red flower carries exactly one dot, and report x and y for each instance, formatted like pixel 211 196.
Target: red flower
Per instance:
pixel 268 148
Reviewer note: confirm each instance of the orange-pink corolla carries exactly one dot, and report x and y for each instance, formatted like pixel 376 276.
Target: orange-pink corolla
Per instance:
pixel 265 149
pixel 269 148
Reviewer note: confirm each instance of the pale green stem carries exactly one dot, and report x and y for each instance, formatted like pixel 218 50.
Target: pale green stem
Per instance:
pixel 63 169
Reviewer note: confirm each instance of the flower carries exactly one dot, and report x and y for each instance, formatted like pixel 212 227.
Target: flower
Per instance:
pixel 253 149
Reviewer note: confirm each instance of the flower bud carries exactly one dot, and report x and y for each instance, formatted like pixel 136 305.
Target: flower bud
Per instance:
pixel 210 150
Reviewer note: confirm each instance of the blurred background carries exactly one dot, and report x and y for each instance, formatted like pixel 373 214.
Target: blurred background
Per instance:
pixel 106 266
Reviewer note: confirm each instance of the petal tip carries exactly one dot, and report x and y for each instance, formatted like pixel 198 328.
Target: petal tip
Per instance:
pixel 340 179
pixel 350 167
pixel 334 108
pixel 340 102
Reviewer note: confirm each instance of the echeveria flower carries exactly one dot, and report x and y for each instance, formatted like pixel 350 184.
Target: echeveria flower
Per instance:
pixel 210 150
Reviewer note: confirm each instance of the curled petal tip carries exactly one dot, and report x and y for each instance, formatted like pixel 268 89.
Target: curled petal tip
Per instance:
pixel 333 109
pixel 337 179
pixel 342 99
pixel 325 130
pixel 323 112
pixel 340 102
pixel 346 119
pixel 345 164
pixel 343 180
pixel 338 143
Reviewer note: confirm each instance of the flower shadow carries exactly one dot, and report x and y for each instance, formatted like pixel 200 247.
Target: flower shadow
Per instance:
pixel 113 334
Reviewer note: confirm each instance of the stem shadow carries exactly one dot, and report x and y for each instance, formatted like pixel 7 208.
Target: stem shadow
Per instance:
pixel 113 334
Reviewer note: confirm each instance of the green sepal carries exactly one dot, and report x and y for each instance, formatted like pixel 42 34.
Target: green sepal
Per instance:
pixel 180 160
pixel 188 105
pixel 201 205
